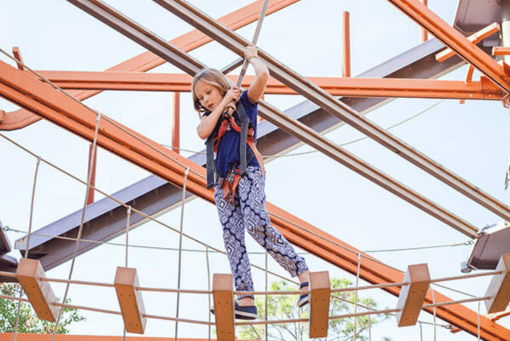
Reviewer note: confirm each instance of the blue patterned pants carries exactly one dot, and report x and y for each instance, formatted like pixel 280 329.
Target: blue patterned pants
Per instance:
pixel 248 212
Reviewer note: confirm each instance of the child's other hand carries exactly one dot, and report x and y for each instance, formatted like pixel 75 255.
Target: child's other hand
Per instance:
pixel 232 95
pixel 251 51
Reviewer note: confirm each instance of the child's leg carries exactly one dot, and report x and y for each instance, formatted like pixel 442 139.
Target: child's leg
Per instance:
pixel 233 237
pixel 256 220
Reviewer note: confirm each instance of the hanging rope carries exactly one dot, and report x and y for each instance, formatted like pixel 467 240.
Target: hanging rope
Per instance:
pixel 434 310
pixel 356 297
pixel 80 229
pixel 208 285
pixel 128 223
pixel 180 250
pixel 16 326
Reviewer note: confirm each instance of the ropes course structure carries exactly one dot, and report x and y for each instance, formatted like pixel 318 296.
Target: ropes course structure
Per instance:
pixel 414 290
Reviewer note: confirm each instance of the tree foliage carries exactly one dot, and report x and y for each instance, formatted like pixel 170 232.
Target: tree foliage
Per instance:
pixel 284 308
pixel 28 321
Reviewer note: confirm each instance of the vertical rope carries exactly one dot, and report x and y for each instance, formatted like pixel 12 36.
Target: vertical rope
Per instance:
pixel 80 229
pixel 369 328
pixel 266 326
pixel 16 326
pixel 421 331
pixel 434 302
pixel 180 251
pixel 356 297
pixel 208 285
pixel 128 223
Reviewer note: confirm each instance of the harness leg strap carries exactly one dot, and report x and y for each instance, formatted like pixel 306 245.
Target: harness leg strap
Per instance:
pixel 210 162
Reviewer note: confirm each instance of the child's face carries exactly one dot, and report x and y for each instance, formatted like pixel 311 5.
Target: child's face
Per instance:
pixel 208 95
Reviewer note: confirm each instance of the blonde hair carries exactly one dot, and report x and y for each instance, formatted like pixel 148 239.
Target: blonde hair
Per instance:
pixel 210 76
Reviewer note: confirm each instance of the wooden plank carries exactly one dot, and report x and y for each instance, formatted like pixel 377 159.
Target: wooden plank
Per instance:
pixel 412 296
pixel 39 293
pixel 499 287
pixel 130 300
pixel 319 304
pixel 224 307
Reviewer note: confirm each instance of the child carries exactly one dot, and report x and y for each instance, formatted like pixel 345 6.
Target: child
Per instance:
pixel 241 200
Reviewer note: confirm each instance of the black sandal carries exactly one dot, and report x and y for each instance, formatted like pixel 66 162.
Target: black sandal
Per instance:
pixel 303 299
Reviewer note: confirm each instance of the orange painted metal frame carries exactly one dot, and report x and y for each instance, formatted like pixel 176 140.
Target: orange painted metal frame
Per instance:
pixel 42 99
pixel 147 60
pixel 454 40
pixel 352 87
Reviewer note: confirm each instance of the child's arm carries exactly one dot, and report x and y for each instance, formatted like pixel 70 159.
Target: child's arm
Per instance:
pixel 208 123
pixel 256 89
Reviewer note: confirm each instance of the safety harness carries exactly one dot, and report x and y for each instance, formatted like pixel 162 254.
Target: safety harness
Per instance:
pixel 230 182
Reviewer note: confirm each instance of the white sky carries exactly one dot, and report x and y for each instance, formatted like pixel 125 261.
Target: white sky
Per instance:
pixel 469 139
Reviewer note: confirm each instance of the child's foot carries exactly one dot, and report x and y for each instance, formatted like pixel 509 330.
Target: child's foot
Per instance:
pixel 243 312
pixel 303 299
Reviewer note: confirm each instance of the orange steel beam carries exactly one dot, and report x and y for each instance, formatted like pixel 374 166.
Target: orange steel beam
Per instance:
pixel 474 38
pixel 351 87
pixel 55 106
pixel 454 40
pixel 423 33
pixel 147 60
pixel 500 51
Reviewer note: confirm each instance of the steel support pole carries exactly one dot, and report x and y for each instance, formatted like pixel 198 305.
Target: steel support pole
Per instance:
pixel 423 32
pixel 346 45
pixel 176 117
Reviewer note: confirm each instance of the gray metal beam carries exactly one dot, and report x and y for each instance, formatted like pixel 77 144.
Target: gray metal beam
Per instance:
pixel 293 80
pixel 418 62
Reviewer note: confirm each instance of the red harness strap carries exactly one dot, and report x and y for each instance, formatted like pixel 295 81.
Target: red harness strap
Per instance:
pixel 229 184
pixel 250 139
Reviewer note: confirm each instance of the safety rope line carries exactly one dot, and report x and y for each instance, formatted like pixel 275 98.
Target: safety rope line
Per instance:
pixel 274 293
pixel 16 325
pixel 80 229
pixel 386 311
pixel 162 248
pixel 180 250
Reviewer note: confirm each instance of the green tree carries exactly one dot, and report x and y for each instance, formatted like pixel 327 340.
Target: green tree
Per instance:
pixel 28 321
pixel 284 308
